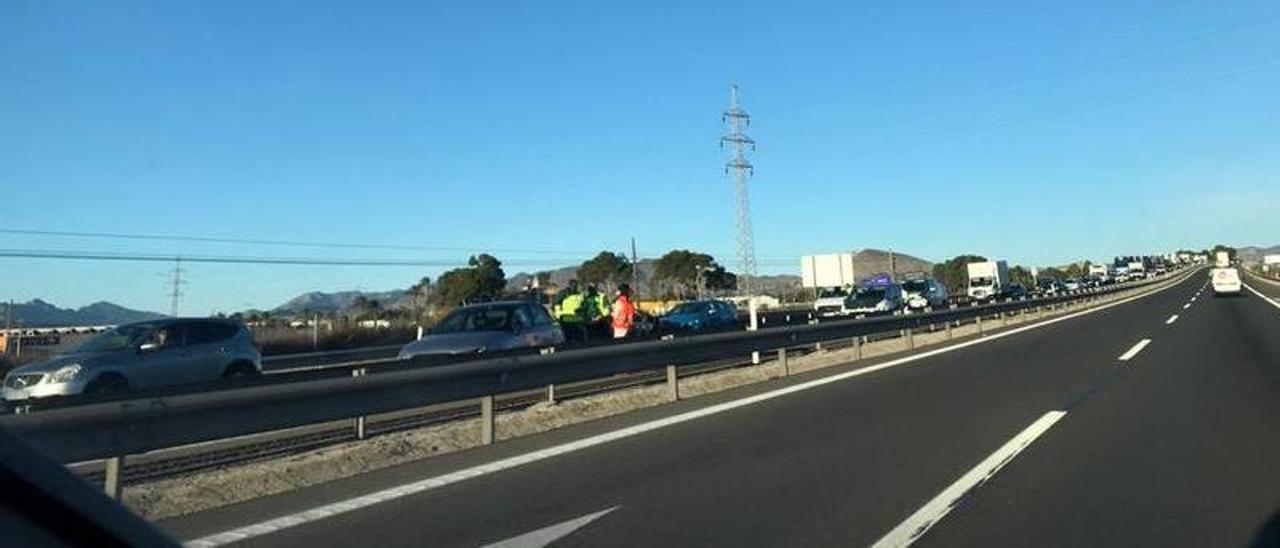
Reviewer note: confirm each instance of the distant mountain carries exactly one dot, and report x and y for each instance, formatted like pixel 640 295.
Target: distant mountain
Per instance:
pixel 317 301
pixel 1254 254
pixel 38 313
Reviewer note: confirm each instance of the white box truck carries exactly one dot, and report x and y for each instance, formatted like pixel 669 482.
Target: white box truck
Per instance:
pixel 1101 272
pixel 1222 259
pixel 1137 270
pixel 987 279
pixel 831 276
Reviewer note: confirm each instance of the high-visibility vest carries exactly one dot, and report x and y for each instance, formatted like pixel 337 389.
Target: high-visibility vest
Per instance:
pixel 569 309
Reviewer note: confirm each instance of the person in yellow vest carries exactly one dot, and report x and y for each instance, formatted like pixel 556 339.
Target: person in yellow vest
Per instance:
pixel 596 312
pixel 569 311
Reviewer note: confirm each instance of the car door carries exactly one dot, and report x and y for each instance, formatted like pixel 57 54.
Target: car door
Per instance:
pixel 160 360
pixel 206 353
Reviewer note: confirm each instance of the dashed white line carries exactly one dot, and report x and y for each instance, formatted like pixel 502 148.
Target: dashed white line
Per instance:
pixel 1136 348
pixel 933 511
pixel 548 535
pixel 1171 319
pixel 1186 306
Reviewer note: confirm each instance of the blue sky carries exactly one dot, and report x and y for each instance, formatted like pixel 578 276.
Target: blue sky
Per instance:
pixel 1040 132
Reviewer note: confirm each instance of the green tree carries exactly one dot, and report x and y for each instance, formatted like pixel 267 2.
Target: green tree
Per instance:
pixel 1021 275
pixel 683 273
pixel 482 279
pixel 954 272
pixel 606 268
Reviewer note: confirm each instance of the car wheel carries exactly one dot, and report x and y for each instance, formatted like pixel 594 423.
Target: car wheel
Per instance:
pixel 239 370
pixel 107 384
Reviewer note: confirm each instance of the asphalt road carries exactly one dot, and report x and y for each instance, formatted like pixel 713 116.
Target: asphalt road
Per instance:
pixel 1176 446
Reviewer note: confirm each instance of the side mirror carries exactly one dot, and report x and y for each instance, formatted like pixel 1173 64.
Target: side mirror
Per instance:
pixel 148 347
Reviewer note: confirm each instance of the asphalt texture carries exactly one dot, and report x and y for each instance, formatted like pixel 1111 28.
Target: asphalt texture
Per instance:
pixel 1178 446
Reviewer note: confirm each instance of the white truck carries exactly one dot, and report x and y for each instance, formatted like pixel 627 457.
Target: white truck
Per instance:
pixel 1100 271
pixel 831 276
pixel 1221 259
pixel 987 279
pixel 1137 270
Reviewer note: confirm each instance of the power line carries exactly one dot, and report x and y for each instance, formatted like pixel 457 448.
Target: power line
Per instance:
pixel 297 243
pixel 270 242
pixel 279 261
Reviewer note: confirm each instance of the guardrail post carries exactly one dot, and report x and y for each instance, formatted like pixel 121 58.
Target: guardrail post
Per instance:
pixel 360 421
pixel 673 384
pixel 979 322
pixel 911 338
pixel 486 420
pixel 1004 317
pixel 113 482
pixel 783 364
pixel 753 326
pixel 857 348
pixel 551 394
pixel 948 330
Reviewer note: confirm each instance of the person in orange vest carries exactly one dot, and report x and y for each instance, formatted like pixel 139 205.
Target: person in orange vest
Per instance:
pixel 624 312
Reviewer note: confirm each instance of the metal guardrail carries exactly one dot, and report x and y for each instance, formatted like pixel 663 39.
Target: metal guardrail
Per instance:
pixel 113 429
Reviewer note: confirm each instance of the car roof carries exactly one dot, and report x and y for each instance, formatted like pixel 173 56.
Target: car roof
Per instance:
pixel 500 304
pixel 173 321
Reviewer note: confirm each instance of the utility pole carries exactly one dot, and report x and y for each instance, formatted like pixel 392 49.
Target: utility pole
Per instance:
pixel 893 268
pixel 635 271
pixel 176 286
pixel 8 326
pixel 742 170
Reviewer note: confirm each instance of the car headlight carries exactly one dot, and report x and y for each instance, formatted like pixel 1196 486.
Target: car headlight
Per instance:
pixel 66 373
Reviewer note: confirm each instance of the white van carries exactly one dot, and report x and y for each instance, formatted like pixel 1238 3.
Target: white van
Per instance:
pixel 1226 281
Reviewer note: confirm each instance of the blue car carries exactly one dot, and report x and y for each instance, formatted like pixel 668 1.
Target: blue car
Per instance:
pixel 700 316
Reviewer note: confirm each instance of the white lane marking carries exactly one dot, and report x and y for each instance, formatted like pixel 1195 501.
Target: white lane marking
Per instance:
pixel 1136 348
pixel 1186 306
pixel 547 535
pixel 1171 319
pixel 1264 297
pixel 933 511
pixel 306 516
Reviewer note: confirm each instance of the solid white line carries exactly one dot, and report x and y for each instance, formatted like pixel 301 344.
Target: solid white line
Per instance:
pixel 305 516
pixel 933 511
pixel 1264 297
pixel 1171 319
pixel 1136 348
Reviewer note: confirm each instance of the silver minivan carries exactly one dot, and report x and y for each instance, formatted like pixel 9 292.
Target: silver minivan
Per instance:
pixel 141 355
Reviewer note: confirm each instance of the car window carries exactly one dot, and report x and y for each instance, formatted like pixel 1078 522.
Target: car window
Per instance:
pixel 168 336
pixel 521 318
pixel 539 315
pixel 208 332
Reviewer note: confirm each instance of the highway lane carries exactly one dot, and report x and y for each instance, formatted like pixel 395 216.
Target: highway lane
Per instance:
pixel 1181 449
pixel 1266 286
pixel 842 462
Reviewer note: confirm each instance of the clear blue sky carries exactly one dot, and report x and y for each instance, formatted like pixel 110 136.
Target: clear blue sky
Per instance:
pixel 1040 132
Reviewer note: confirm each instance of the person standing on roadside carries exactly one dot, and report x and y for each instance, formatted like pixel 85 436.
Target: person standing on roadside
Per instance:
pixel 596 311
pixel 568 310
pixel 624 312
